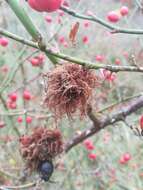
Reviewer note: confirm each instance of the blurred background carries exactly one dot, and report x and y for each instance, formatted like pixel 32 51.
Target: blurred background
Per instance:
pixel 111 159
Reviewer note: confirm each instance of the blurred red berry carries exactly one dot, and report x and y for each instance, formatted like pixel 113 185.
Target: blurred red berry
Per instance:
pixel 61 39
pixel 48 18
pixel 113 16
pixel 65 3
pixel 122 161
pixel 4 68
pixel 127 157
pixel 85 39
pixel 117 61
pixel 34 62
pixel 88 144
pixel 27 95
pixel 124 11
pixel 92 156
pixel 99 58
pixel 3 41
pixel 61 13
pixel 13 97
pixel 19 119
pixel 141 122
pixel 86 24
pixel 28 119
pixel 11 105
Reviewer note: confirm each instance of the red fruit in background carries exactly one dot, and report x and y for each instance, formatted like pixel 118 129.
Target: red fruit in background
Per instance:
pixel 92 156
pixel 122 161
pixel 127 157
pixel 34 62
pixel 99 58
pixel 86 24
pixel 65 3
pixel 141 122
pixel 85 39
pixel 117 61
pixel 28 119
pixel 124 11
pixel 11 105
pixel 3 42
pixel 113 16
pixel 88 145
pixel 19 119
pixel 13 97
pixel 45 5
pixel 27 95
pixel 48 19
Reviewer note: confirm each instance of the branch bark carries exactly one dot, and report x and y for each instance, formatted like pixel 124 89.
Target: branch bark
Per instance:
pixel 114 29
pixel 105 121
pixel 87 64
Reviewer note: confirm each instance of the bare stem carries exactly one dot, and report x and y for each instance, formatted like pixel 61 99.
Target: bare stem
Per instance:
pixel 76 60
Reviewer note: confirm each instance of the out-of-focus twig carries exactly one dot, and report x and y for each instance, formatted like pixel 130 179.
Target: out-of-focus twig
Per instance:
pixel 94 18
pixel 76 60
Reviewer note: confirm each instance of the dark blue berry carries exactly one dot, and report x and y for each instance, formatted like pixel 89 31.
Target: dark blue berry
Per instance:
pixel 45 169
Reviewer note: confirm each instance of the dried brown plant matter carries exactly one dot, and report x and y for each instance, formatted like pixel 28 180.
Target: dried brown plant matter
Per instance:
pixel 69 88
pixel 43 144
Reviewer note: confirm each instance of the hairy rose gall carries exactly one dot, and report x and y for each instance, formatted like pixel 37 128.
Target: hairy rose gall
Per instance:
pixel 45 5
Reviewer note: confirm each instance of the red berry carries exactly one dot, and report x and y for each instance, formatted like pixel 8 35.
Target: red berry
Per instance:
pixel 141 122
pixel 28 119
pixel 99 58
pixel 34 62
pixel 124 11
pixel 61 39
pixel 85 39
pixel 87 142
pixel 3 42
pixel 61 13
pixel 65 3
pixel 13 97
pixel 127 157
pixel 26 95
pixel 117 61
pixel 92 156
pixel 11 105
pixel 113 16
pixel 19 119
pixel 48 19
pixel 88 145
pixel 45 5
pixel 86 24
pixel 122 161
pixel 4 68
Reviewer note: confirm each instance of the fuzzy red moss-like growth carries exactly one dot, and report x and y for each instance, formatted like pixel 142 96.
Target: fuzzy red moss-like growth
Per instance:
pixel 69 88
pixel 43 144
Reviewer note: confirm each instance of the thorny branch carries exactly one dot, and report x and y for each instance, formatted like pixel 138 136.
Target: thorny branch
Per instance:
pixel 94 18
pixel 104 121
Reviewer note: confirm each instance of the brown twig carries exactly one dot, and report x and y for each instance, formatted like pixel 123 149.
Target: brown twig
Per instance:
pixel 104 121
